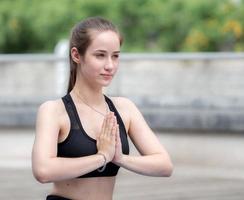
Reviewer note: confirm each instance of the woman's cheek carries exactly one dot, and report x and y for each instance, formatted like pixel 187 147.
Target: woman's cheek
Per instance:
pixel 116 67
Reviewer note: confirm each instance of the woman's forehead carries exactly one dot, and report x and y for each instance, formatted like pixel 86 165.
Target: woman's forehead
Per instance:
pixel 105 39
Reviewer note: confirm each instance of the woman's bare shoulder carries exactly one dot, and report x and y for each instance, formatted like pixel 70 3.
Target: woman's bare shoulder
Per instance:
pixel 123 103
pixel 53 107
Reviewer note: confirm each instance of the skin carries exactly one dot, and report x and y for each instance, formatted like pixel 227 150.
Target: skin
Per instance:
pixel 96 70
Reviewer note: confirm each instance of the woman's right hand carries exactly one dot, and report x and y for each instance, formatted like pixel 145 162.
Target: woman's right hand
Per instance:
pixel 106 139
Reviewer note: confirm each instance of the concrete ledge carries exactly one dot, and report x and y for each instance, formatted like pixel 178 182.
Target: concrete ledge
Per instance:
pixel 160 115
pixel 204 114
pixel 202 91
pixel 201 120
pixel 19 112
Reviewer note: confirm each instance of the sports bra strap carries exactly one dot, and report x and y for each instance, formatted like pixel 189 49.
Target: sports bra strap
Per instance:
pixel 71 111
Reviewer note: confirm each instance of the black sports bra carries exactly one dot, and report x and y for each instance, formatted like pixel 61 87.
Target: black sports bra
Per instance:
pixel 78 143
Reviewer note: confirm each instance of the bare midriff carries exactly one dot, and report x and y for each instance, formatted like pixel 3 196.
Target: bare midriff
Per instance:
pixel 86 188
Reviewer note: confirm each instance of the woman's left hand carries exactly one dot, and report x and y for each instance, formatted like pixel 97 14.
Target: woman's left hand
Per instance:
pixel 118 148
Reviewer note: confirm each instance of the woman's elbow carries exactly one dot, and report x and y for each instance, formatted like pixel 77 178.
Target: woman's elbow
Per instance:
pixel 166 168
pixel 41 174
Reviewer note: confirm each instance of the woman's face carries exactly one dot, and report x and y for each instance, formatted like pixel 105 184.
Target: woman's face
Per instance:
pixel 100 62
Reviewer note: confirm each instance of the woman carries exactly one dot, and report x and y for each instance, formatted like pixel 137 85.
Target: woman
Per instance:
pixel 81 139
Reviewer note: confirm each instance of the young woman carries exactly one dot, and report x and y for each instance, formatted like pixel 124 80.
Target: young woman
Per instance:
pixel 81 139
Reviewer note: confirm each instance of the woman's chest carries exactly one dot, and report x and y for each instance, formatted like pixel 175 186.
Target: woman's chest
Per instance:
pixel 81 138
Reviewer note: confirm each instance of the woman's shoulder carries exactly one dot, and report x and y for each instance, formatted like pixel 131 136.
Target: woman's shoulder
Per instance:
pixel 121 101
pixel 124 103
pixel 53 107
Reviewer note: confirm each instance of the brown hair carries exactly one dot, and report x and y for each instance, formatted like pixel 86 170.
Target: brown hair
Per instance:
pixel 81 39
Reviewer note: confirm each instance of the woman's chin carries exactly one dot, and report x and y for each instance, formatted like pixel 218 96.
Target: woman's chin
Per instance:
pixel 106 83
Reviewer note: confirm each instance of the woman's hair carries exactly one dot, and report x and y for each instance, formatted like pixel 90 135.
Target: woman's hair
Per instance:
pixel 81 39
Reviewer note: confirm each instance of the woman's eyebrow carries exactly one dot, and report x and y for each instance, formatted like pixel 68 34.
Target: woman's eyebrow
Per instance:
pixel 104 51
pixel 100 50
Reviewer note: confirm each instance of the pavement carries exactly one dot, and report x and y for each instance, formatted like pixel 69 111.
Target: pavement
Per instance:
pixel 207 166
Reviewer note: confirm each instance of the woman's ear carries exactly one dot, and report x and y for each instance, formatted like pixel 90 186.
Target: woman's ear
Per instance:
pixel 75 55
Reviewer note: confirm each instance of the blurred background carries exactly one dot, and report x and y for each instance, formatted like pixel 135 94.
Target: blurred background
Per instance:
pixel 182 63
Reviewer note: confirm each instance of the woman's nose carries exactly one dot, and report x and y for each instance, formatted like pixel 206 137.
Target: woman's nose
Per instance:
pixel 109 64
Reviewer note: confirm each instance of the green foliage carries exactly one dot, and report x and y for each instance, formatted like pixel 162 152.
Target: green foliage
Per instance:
pixel 147 25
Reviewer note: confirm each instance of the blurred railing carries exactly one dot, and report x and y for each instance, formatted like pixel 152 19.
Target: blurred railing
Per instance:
pixel 201 91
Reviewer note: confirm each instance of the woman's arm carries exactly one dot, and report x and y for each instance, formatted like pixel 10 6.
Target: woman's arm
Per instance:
pixel 46 166
pixel 154 159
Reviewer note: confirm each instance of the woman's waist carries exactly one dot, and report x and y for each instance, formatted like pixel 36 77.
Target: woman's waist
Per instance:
pixel 85 188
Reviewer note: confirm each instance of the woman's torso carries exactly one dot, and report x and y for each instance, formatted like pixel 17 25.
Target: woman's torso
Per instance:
pixel 87 188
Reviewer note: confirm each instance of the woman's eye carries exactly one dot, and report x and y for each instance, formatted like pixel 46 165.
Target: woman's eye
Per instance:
pixel 100 55
pixel 116 56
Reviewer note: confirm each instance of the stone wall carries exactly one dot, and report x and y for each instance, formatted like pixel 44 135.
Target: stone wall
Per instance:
pixel 201 91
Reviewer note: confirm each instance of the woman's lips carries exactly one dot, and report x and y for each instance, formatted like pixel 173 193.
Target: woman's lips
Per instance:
pixel 107 75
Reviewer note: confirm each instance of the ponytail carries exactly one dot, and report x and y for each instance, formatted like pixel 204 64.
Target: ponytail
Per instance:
pixel 73 72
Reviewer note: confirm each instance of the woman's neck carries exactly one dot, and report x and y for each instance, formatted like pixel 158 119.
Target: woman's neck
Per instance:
pixel 93 96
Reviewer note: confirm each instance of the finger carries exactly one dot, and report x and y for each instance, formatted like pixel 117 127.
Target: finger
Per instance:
pixel 104 124
pixel 114 125
pixel 107 122
pixel 113 134
pixel 115 120
pixel 118 141
pixel 103 129
pixel 114 130
pixel 111 125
